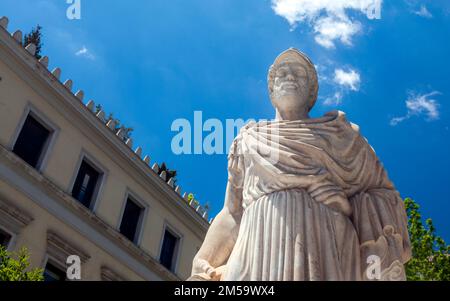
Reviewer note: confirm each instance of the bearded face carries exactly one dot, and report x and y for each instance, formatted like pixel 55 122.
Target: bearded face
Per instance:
pixel 290 86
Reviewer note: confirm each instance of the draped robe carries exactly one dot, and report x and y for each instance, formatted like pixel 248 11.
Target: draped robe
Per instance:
pixel 316 203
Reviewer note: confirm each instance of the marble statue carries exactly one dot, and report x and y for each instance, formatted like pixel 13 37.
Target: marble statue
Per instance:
pixel 325 209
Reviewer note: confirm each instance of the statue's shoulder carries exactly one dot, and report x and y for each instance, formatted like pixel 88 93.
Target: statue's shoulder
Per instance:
pixel 235 147
pixel 350 127
pixel 336 115
pixel 250 124
pixel 341 118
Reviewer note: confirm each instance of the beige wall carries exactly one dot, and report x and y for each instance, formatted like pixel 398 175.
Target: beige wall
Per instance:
pixel 34 237
pixel 60 168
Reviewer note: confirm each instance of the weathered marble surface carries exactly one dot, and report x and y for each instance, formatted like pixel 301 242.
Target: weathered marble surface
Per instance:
pixel 306 199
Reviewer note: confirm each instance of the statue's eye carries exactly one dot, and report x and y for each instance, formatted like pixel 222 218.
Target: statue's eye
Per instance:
pixel 281 73
pixel 300 73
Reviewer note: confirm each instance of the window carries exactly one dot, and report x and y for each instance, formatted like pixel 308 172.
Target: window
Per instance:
pixel 5 238
pixel 53 273
pixel 31 141
pixel 168 249
pixel 58 250
pixel 85 184
pixel 131 219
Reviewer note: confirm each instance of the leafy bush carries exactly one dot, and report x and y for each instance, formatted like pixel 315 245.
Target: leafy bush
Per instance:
pixel 430 254
pixel 15 266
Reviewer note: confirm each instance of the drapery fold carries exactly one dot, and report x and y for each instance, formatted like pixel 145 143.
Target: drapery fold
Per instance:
pixel 287 236
pixel 380 221
pixel 313 182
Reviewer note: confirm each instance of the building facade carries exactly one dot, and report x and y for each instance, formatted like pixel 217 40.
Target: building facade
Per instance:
pixel 70 184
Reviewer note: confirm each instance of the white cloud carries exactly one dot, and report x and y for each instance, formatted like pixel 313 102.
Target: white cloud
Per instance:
pixel 418 105
pixel 334 100
pixel 349 79
pixel 321 70
pixel 424 12
pixel 423 105
pixel 329 29
pixel 84 52
pixel 328 18
pixel 338 81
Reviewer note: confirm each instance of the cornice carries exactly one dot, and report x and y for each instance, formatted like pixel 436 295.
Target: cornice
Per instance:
pixel 71 107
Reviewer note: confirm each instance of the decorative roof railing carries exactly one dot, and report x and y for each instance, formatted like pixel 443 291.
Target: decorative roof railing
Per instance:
pixel 90 105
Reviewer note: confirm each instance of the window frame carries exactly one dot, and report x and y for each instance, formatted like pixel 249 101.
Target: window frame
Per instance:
pixel 46 123
pixel 12 219
pixel 58 249
pixel 142 219
pixel 177 252
pixel 103 173
pixel 12 239
pixel 55 262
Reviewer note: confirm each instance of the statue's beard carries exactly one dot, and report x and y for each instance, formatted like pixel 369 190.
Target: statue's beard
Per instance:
pixel 288 100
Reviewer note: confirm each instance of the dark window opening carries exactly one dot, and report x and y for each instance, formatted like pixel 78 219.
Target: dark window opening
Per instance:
pixel 130 220
pixel 85 184
pixel 169 246
pixel 31 141
pixel 5 238
pixel 53 273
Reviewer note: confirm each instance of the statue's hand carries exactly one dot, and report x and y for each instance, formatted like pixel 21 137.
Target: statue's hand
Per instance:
pixel 204 271
pixel 219 273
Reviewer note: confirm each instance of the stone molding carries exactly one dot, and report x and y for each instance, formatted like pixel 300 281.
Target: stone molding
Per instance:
pixel 108 274
pixel 11 217
pixel 59 248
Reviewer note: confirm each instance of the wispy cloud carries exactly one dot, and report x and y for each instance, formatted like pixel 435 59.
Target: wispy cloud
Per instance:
pixel 340 80
pixel 349 79
pixel 420 105
pixel 328 18
pixel 423 12
pixel 418 8
pixel 84 52
pixel 333 100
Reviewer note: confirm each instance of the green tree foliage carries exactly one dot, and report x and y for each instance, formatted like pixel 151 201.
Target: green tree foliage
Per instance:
pixel 15 266
pixel 430 254
pixel 34 37
pixel 191 198
pixel 126 131
pixel 169 173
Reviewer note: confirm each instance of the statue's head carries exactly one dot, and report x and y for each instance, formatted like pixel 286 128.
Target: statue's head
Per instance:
pixel 293 81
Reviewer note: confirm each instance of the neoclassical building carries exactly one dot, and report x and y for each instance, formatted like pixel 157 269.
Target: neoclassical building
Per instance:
pixel 70 184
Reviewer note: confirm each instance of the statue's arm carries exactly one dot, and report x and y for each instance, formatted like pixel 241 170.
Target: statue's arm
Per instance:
pixel 380 220
pixel 221 237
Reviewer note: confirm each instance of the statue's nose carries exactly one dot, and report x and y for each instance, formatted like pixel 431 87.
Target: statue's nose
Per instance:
pixel 290 77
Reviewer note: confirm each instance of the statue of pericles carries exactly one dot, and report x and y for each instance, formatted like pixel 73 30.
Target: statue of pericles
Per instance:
pixel 307 198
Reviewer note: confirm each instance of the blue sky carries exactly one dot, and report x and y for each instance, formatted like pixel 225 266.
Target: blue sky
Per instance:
pixel 151 62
